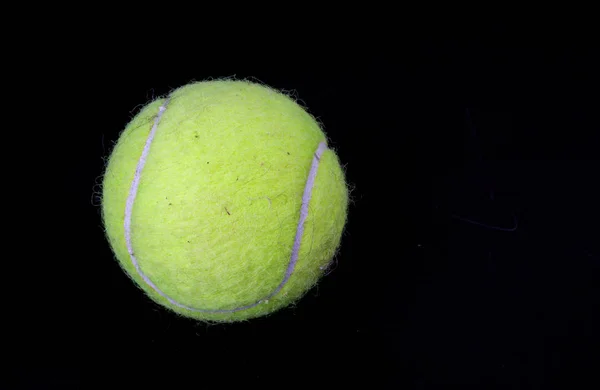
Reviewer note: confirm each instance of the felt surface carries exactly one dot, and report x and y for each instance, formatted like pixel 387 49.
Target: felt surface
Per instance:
pixel 219 199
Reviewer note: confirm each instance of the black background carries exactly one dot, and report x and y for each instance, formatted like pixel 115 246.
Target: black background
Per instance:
pixel 430 130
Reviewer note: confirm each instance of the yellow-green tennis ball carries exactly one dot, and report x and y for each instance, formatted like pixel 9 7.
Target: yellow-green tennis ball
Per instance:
pixel 223 202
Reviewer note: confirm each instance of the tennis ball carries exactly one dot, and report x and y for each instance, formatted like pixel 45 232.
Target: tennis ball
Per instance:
pixel 223 202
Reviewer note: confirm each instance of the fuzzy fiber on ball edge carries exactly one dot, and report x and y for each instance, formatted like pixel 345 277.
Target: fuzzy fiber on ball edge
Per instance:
pixel 217 203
